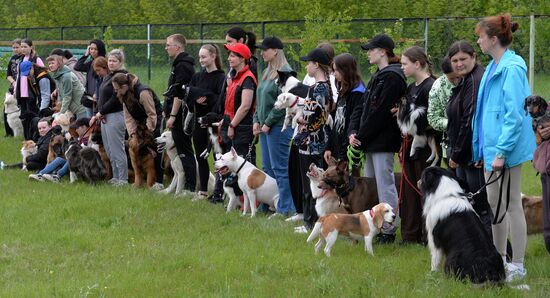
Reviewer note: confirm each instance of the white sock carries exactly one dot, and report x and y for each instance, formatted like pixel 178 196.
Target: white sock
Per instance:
pixel 519 265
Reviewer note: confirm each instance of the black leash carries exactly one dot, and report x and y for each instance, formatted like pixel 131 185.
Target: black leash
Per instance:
pixel 496 219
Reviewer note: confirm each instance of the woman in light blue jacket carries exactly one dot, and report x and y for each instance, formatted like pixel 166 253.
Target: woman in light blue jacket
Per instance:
pixel 503 138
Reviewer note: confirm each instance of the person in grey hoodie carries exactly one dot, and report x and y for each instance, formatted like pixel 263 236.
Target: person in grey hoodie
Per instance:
pixel 69 88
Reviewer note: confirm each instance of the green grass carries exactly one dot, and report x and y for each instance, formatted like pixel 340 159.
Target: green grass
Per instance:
pixel 77 240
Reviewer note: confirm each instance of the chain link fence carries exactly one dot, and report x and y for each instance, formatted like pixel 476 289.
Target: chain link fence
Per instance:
pixel 145 54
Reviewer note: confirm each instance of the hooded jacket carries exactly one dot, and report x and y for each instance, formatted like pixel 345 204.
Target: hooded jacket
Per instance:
pixel 69 90
pixel 71 63
pixel 374 124
pixel 501 125
pixel 181 73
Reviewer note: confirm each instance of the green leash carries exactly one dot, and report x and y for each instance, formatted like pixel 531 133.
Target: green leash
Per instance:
pixel 356 158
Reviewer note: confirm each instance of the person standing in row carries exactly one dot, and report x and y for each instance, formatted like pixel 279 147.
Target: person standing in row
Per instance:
pixel 69 88
pixel 373 128
pixel 268 123
pixel 96 48
pixel 110 111
pixel 460 111
pixel 503 137
pixel 174 110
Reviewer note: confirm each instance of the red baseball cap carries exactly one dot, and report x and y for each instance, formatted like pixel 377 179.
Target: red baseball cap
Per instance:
pixel 240 49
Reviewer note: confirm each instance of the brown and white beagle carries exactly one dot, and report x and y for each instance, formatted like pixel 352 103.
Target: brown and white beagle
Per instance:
pixel 360 225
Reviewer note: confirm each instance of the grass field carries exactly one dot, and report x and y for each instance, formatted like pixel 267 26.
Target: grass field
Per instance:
pixel 68 240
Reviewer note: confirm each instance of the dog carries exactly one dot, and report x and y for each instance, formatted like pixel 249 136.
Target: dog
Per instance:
pixel 29 148
pixel 363 225
pixel 13 112
pixel 537 107
pixel 409 117
pixel 532 207
pixel 86 163
pixel 64 120
pixel 166 143
pixel 326 199
pixel 255 184
pixel 455 231
pixel 56 147
pixel 212 121
pixel 292 97
pixel 357 193
pixel 142 151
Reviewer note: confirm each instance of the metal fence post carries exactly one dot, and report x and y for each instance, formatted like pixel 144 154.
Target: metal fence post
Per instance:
pixel 201 32
pixel 532 54
pixel 426 35
pixel 62 33
pixel 149 51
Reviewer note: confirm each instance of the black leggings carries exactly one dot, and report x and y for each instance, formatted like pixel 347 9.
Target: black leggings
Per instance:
pixel 310 215
pixel 200 141
pixel 28 106
pixel 185 151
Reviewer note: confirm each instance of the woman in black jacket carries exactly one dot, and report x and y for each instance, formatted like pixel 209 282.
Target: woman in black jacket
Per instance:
pixel 373 129
pixel 460 111
pixel 96 48
pixel 350 98
pixel 204 89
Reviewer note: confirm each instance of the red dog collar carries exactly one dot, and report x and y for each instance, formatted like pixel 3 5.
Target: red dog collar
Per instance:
pixel 295 102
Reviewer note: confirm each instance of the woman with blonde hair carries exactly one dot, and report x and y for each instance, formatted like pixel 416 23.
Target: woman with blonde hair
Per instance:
pixel 268 122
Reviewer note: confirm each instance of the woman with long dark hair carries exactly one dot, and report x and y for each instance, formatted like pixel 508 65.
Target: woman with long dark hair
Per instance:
pixel 96 48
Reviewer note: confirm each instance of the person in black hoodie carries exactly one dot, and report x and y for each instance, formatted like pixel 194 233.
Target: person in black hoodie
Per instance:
pixel 110 111
pixel 460 112
pixel 373 129
pixel 350 98
pixel 204 89
pixel 96 48
pixel 174 110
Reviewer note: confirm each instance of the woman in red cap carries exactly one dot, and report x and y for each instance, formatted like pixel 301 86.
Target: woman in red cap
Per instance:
pixel 240 97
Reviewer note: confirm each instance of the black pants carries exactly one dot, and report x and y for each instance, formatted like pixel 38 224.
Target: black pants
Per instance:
pixel 31 166
pixel 9 131
pixel 185 151
pixel 308 203
pixel 475 179
pixel 200 141
pixel 545 179
pixel 29 110
pixel 295 179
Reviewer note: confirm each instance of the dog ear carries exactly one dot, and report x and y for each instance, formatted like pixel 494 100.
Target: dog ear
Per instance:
pixel 342 165
pixel 378 216
pixel 234 153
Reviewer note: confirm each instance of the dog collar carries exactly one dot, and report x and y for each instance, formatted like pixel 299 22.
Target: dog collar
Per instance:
pixel 13 112
pixel 295 102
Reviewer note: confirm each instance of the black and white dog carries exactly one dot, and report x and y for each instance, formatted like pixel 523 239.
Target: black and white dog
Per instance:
pixel 86 163
pixel 292 98
pixel 409 120
pixel 212 122
pixel 455 231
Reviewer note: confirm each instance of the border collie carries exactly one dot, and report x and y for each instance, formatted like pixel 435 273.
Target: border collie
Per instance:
pixel 455 231
pixel 408 119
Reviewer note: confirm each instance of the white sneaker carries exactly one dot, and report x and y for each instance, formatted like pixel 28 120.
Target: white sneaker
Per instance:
pixel 51 178
pixel 296 217
pixel 199 197
pixel 2 165
pixel 112 181
pixel 120 183
pixel 276 215
pixel 301 230
pixel 157 186
pixel 514 273
pixel 37 177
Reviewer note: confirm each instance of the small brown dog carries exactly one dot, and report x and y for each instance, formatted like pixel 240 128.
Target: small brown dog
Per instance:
pixel 56 148
pixel 359 193
pixel 142 149
pixel 532 207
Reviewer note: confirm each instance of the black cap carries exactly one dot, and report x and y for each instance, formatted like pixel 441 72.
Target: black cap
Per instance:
pixel 270 43
pixel 379 41
pixel 80 122
pixel 317 55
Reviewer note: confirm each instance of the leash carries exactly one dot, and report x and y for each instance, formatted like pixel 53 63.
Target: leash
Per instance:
pixel 356 158
pixel 404 176
pixel 251 147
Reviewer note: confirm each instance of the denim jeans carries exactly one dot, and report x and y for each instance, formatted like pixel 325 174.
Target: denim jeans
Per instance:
pixel 58 164
pixel 275 151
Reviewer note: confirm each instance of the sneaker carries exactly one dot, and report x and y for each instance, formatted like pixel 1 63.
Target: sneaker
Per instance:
pixel 513 272
pixel 215 199
pixel 2 165
pixel 200 196
pixel 300 230
pixel 37 177
pixel 157 186
pixel 120 183
pixel 385 238
pixel 296 217
pixel 276 215
pixel 112 181
pixel 51 178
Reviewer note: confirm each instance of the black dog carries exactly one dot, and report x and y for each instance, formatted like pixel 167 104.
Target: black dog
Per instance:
pixel 86 163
